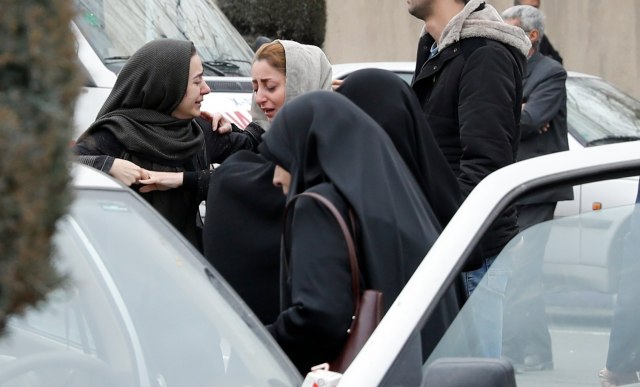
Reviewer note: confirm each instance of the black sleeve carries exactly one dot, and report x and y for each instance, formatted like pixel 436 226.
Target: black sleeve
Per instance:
pixel 544 102
pixel 321 301
pixel 221 146
pixel 198 180
pixel 488 127
pixel 98 150
pixel 101 163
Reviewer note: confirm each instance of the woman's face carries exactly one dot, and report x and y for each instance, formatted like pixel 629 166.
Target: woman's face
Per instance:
pixel 282 178
pixel 269 85
pixel 197 88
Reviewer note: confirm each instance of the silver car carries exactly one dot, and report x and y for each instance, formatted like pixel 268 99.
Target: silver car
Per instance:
pixel 140 307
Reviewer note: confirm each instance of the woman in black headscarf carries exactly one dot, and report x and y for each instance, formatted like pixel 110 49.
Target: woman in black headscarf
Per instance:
pixel 389 100
pixel 326 144
pixel 145 132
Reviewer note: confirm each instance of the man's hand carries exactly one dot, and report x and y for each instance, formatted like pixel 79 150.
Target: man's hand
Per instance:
pixel 219 123
pixel 127 172
pixel 545 128
pixel 161 181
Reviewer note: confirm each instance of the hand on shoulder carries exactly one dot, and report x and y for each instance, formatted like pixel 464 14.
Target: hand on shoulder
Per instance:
pixel 218 122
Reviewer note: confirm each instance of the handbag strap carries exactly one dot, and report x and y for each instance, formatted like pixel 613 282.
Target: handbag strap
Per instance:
pixel 353 260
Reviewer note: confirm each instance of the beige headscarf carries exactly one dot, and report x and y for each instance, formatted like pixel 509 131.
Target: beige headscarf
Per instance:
pixel 307 69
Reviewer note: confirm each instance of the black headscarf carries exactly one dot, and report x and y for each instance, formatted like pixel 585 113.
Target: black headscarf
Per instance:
pixel 391 103
pixel 138 111
pixel 323 137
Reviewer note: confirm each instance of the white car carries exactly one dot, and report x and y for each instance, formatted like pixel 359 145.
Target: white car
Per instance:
pixel 140 307
pixel 597 113
pixel 579 317
pixel 108 32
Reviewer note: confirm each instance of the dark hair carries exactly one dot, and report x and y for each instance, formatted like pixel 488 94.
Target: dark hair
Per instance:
pixel 260 40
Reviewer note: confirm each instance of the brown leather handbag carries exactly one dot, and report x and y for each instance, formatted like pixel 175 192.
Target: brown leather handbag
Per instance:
pixel 368 305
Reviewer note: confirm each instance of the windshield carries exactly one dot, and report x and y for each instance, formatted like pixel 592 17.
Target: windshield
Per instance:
pixel 560 320
pixel 117 28
pixel 599 113
pixel 139 309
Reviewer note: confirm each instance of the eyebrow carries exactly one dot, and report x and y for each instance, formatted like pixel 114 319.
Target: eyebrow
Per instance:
pixel 199 75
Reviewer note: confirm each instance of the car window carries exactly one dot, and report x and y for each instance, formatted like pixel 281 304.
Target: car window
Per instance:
pixel 557 301
pixel 407 77
pixel 599 113
pixel 139 309
pixel 117 28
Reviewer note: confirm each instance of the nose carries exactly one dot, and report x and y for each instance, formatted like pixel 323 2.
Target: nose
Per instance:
pixel 281 178
pixel 205 89
pixel 277 179
pixel 260 98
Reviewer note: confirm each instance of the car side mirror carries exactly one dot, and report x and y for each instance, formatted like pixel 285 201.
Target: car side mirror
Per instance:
pixel 464 372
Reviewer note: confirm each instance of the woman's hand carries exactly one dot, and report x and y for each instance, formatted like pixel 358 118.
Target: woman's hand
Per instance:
pixel 127 172
pixel 219 123
pixel 336 83
pixel 161 181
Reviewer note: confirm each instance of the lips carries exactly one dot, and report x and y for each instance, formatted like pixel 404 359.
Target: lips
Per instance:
pixel 268 112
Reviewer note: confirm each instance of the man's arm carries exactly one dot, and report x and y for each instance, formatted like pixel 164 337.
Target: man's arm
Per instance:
pixel 544 102
pixel 488 127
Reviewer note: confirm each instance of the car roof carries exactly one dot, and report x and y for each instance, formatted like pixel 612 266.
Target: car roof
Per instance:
pixel 576 74
pixel 87 177
pixel 342 69
pixel 475 215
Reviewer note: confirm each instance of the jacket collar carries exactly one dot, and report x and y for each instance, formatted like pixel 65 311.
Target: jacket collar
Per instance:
pixel 481 20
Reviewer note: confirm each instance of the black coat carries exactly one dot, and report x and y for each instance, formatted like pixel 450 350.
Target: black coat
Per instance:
pixel 352 161
pixel 545 98
pixel 471 93
pixel 312 329
pixel 392 104
pixel 242 230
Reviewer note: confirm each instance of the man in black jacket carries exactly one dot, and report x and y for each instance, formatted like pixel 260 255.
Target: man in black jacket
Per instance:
pixel 545 47
pixel 543 130
pixel 468 78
